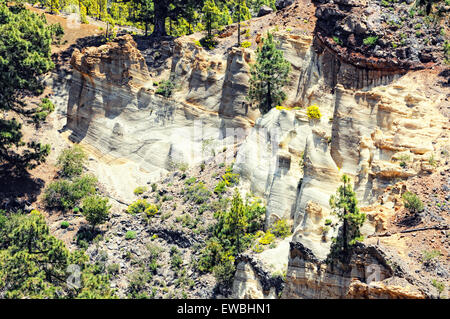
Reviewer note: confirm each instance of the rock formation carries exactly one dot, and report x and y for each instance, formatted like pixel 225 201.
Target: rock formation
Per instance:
pixel 373 116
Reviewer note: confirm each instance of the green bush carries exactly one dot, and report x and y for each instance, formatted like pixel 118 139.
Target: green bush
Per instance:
pixel 139 190
pixel 66 194
pixel 176 261
pixel 230 178
pixel 313 112
pixel 337 40
pixel 151 210
pixel 246 44
pixel 267 238
pixel 44 109
pixel 71 161
pixel 281 228
pixel 65 224
pixel 138 207
pixel 224 272
pixel 370 40
pixel 165 88
pixel 130 235
pixel 208 43
pixel 220 187
pixel 190 180
pixel 430 255
pixel 95 209
pixel 113 269
pixel 412 202
pixel 197 193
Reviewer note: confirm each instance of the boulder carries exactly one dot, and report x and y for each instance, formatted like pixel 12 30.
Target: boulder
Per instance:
pixel 281 4
pixel 264 10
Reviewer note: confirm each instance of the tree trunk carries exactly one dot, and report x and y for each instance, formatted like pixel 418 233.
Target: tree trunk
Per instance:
pixel 344 235
pixel 208 18
pixel 239 23
pixel 160 12
pixel 146 28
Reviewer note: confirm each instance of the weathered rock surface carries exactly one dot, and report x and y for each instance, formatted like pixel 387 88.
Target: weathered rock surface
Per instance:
pixel 371 117
pixel 370 273
pixel 113 108
pixel 379 35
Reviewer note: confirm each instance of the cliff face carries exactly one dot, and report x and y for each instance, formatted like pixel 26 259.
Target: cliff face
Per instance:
pixel 370 273
pixel 113 107
pixel 372 116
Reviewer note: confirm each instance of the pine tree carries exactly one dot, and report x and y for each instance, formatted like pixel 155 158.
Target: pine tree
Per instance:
pixel 34 264
pixel 345 206
pixel 25 55
pixel 268 76
pixel 237 221
pixel 211 16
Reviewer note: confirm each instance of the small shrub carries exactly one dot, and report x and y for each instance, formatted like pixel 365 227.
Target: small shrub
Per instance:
pixel 440 286
pixel 113 269
pixel 267 239
pixel 183 167
pixel 370 40
pixel 139 190
pixel 190 181
pixel 176 261
pixel 44 109
pixel 95 209
pixel 430 255
pixel 71 161
pixel 208 42
pixel 165 88
pixel 281 229
pixel 224 271
pixel 412 202
pixel 220 187
pixel 65 224
pixel 151 210
pixel 197 193
pixel 229 177
pixel 432 161
pixel 138 207
pixel 130 235
pixel 64 194
pixel 167 198
pixel 246 44
pixel 154 187
pixel 337 40
pixel 313 112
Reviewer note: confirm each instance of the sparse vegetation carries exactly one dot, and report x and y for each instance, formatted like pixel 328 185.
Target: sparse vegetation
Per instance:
pixel 313 112
pixel 281 228
pixel 71 161
pixel 165 88
pixel 65 194
pixel 139 190
pixel 95 209
pixel 130 235
pixel 412 202
pixel 370 40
